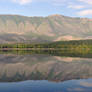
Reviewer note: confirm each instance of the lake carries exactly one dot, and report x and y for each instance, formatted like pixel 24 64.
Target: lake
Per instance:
pixel 31 72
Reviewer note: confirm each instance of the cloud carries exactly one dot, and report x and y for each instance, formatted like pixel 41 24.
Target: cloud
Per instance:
pixel 85 12
pixel 76 6
pixel 59 2
pixel 86 84
pixel 86 1
pixel 88 7
pixel 22 2
pixel 76 89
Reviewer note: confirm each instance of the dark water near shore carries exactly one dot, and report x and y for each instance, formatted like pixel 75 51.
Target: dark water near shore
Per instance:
pixel 45 72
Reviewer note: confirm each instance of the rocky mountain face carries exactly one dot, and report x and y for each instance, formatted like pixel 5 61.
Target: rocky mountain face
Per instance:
pixel 15 28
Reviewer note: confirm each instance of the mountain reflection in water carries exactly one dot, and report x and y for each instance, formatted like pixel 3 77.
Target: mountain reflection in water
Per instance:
pixel 45 72
pixel 14 68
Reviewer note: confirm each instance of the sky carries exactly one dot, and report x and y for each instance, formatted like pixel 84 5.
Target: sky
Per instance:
pixel 72 8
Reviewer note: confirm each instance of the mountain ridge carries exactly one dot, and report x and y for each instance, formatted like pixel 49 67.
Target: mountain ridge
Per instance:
pixel 45 29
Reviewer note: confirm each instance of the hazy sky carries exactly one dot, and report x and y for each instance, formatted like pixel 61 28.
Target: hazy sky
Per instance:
pixel 76 8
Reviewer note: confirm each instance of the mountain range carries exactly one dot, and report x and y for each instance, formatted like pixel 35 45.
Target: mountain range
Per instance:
pixel 16 28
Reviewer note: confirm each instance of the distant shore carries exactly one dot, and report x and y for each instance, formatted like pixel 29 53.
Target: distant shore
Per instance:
pixel 34 48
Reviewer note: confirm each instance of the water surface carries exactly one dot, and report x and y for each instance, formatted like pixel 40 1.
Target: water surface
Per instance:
pixel 45 73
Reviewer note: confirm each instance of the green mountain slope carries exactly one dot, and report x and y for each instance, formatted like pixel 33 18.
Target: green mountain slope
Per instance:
pixel 15 28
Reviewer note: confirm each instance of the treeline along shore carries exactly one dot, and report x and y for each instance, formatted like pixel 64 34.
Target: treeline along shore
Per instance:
pixel 62 48
pixel 61 45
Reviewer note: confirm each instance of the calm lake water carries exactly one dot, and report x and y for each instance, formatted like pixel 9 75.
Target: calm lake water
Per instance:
pixel 45 73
